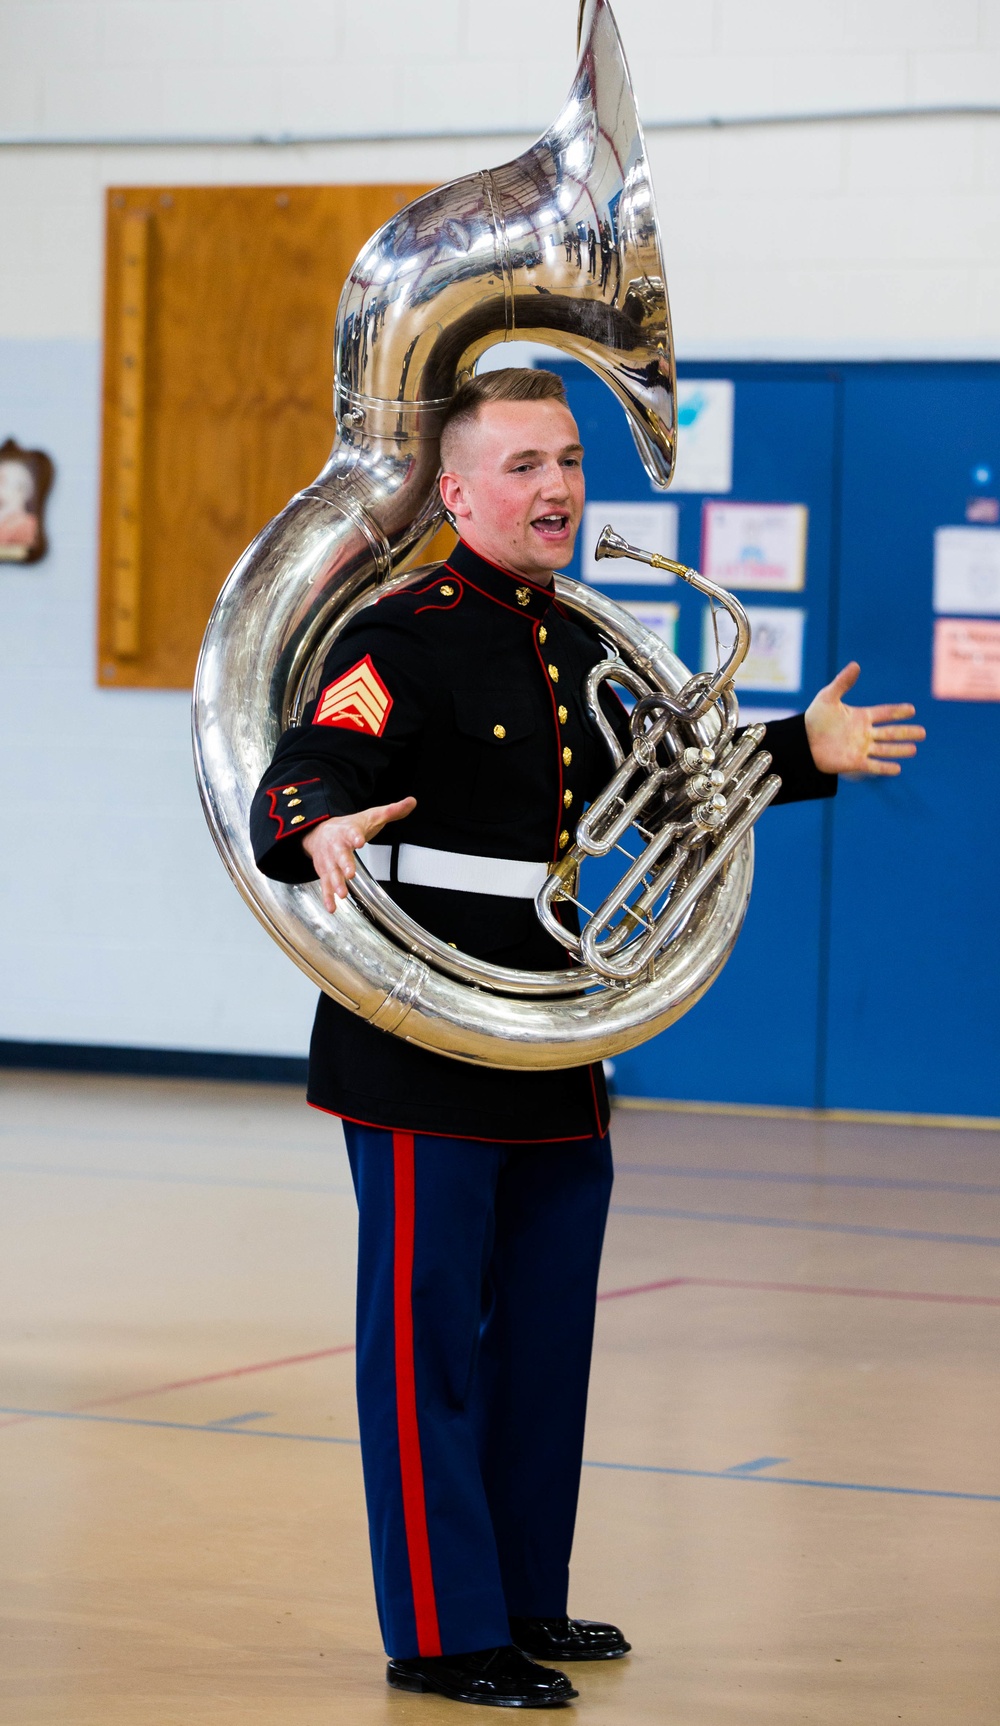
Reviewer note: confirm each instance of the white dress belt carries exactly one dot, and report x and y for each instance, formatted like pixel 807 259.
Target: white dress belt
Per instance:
pixel 422 866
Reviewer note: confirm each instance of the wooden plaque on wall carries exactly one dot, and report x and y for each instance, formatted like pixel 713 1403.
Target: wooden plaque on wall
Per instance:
pixel 218 381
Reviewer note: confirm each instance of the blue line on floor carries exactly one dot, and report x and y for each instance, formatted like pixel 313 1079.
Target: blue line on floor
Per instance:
pixel 176 1425
pixel 794 1480
pixel 756 1465
pixel 799 1223
pixel 623 1467
pixel 242 1419
pixel 878 1183
pixel 168 1178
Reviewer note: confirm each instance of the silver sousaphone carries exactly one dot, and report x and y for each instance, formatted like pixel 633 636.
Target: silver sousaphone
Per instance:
pixel 560 246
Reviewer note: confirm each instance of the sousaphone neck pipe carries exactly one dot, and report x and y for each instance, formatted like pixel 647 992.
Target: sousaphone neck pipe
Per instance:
pixel 611 544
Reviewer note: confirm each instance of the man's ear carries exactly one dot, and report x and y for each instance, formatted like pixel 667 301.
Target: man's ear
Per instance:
pixel 453 494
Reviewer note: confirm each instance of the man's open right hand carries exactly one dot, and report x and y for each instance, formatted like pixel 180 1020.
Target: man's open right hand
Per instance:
pixel 333 843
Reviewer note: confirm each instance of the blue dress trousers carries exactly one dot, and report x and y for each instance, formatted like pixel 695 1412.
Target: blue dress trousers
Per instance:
pixel 480 1262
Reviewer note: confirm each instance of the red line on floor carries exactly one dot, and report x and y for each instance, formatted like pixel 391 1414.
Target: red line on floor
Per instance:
pixel 204 1378
pixel 645 1288
pixel 803 1288
pixel 606 1294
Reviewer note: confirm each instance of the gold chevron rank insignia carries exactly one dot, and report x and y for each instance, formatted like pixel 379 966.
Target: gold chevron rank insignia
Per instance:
pixel 357 701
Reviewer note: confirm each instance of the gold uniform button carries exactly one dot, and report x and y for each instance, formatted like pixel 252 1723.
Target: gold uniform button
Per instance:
pixel 289 790
pixel 500 731
pixel 543 635
pixel 567 755
pixel 554 673
pixel 563 840
pixel 447 590
pixel 522 595
pixel 296 819
pixel 567 798
pixel 563 714
pixel 293 802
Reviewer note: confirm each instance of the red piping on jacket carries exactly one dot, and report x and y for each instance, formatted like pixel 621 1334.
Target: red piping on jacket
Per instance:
pixel 411 1465
pixel 450 605
pixel 597 1110
pixel 501 602
pixel 555 721
pixel 463 1138
pixel 527 580
pixel 274 814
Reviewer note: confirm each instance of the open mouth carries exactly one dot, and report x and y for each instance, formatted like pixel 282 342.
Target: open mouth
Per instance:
pixel 554 526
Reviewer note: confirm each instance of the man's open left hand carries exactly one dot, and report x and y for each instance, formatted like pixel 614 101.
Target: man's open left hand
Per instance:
pixel 859 740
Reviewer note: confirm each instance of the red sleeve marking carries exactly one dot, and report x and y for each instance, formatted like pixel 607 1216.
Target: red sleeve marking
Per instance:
pixel 358 700
pixel 411 1466
pixel 274 792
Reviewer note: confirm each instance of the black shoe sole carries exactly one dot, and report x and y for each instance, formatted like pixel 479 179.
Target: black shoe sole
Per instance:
pixel 414 1683
pixel 563 1659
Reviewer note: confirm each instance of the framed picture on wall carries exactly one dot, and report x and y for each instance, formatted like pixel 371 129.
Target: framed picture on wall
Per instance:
pixel 25 479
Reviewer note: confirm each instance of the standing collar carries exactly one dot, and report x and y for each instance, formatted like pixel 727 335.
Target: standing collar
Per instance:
pixel 515 592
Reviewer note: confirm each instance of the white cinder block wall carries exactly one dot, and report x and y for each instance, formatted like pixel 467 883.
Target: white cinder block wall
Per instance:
pixel 847 237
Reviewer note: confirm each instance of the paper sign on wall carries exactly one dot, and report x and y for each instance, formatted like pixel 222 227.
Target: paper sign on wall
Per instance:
pixel 650 526
pixel 660 617
pixel 756 545
pixel 704 435
pixel 966 660
pixel 967 570
pixel 775 657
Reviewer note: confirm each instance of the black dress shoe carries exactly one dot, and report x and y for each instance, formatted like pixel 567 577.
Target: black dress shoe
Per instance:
pixel 498 1677
pixel 568 1639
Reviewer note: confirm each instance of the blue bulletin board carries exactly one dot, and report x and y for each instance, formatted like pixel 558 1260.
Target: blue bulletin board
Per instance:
pixel 866 975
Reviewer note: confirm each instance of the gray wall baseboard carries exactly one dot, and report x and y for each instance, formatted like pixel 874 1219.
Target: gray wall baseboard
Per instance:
pixel 154 1063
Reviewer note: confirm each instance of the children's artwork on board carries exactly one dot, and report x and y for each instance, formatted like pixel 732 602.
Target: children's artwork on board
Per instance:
pixel 25 478
pixel 774 661
pixel 761 545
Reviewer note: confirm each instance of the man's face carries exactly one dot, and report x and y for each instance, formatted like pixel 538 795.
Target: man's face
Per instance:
pixel 515 485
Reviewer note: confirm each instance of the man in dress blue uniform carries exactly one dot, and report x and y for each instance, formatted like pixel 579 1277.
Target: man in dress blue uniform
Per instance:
pixel 450 737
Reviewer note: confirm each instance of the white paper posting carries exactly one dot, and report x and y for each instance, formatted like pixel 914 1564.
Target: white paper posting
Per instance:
pixel 759 545
pixel 775 657
pixel 650 526
pixel 660 617
pixel 704 435
pixel 967 570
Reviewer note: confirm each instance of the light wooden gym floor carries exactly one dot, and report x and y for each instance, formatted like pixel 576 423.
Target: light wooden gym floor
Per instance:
pixel 792 1493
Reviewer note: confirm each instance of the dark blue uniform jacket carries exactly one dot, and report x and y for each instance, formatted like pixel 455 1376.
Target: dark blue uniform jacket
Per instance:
pixel 465 692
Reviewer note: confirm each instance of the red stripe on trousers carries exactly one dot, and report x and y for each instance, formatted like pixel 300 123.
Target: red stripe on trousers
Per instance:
pixel 410 1462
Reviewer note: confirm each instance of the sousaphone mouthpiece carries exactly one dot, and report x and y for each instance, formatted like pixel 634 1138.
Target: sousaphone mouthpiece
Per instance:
pixel 611 544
